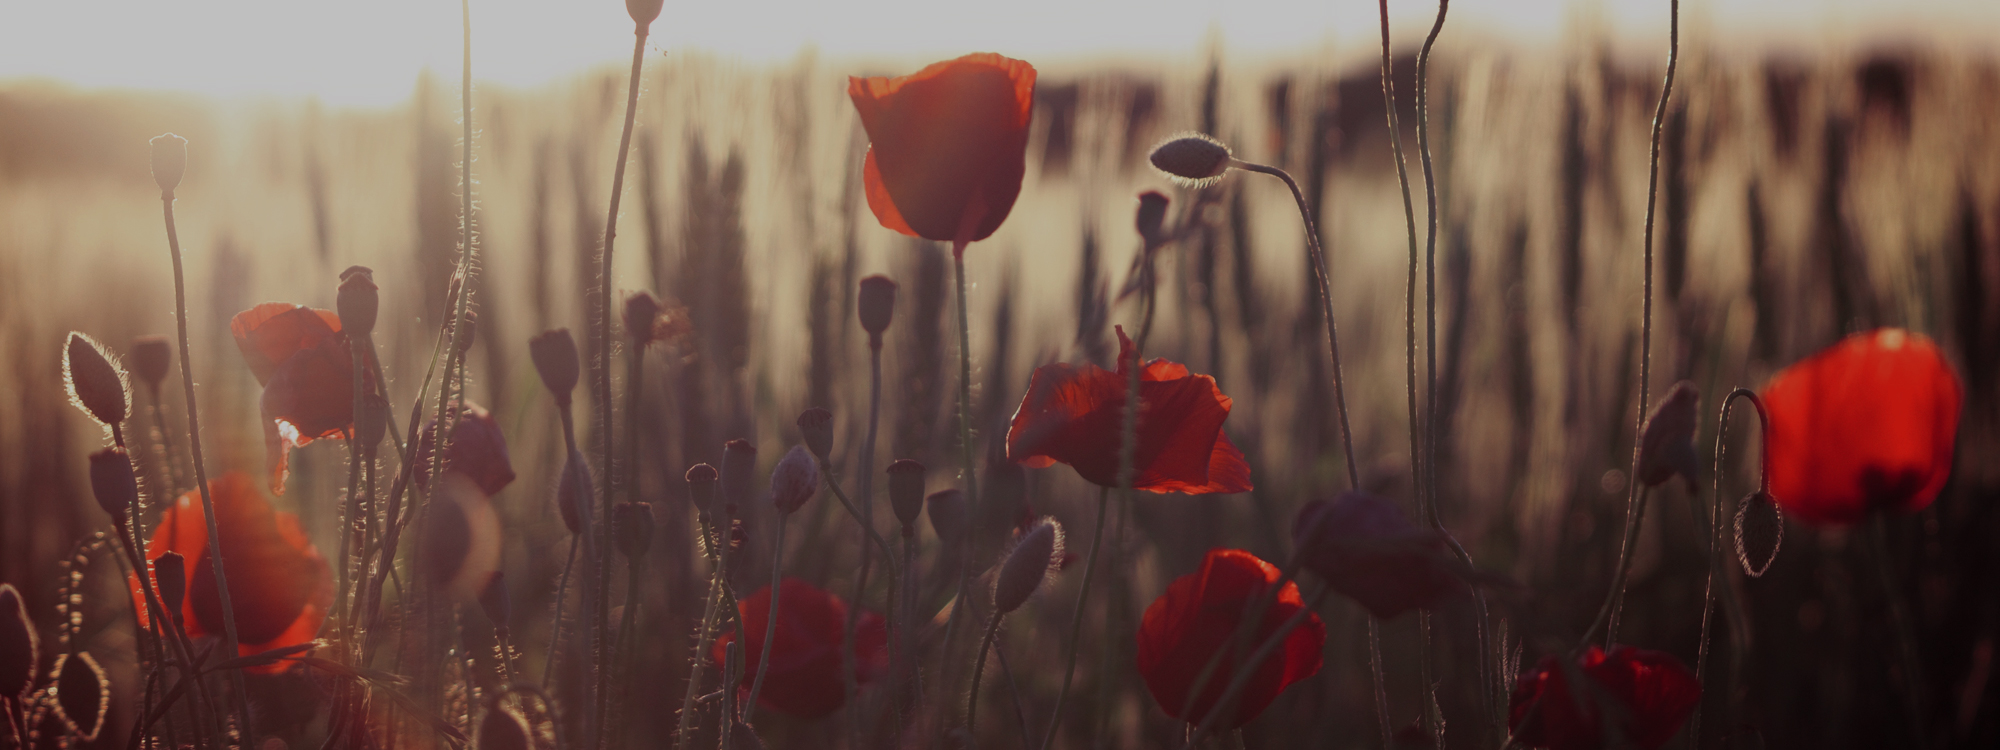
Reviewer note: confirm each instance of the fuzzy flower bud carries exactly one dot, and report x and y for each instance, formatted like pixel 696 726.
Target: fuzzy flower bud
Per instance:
pixel 82 694
pixel 357 301
pixel 170 575
pixel 1666 445
pixel 494 601
pixel 816 425
pixel 1152 217
pixel 1038 552
pixel 701 480
pixel 150 357
pixel 170 156
pixel 20 645
pixel 1192 159
pixel 113 482
pixel 554 353
pixel 632 526
pixel 96 383
pixel 739 462
pixel 794 480
pixel 906 491
pixel 947 511
pixel 1760 529
pixel 877 305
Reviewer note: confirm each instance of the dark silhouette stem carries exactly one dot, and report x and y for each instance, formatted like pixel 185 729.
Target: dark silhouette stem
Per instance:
pixel 1076 619
pixel 771 618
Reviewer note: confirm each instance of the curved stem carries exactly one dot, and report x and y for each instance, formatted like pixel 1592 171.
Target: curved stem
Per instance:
pixel 556 627
pixel 1076 619
pixel 1248 669
pixel 978 669
pixel 1410 282
pixel 771 620
pixel 887 554
pixel 1715 540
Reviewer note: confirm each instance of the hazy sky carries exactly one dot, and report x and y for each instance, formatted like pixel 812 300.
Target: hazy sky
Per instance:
pixel 369 51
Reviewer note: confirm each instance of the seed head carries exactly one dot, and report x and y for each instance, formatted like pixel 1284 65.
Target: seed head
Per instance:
pixel 82 694
pixel 113 482
pixel 739 462
pixel 632 524
pixel 877 306
pixel 357 301
pixel 170 156
pixel 575 489
pixel 493 600
pixel 554 353
pixel 794 481
pixel 170 575
pixel 947 511
pixel 643 11
pixel 1152 217
pixel 150 357
pixel 701 486
pixel 816 425
pixel 906 491
pixel 1191 159
pixel 1035 556
pixel 97 385
pixel 503 729
pixel 20 646
pixel 1666 445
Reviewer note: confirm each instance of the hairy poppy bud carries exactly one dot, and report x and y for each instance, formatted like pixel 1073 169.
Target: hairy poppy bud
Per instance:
pixel 20 646
pixel 372 422
pixel 794 480
pixel 1666 445
pixel 947 511
pixel 503 729
pixel 1039 552
pixel 877 305
pixel 1192 158
pixel 816 425
pixel 82 694
pixel 574 489
pixel 357 301
pixel 96 383
pixel 632 525
pixel 170 575
pixel 641 310
pixel 170 156
pixel 113 482
pixel 476 449
pixel 701 486
pixel 643 11
pixel 493 600
pixel 739 460
pixel 554 353
pixel 906 491
pixel 1152 217
pixel 1760 529
pixel 150 358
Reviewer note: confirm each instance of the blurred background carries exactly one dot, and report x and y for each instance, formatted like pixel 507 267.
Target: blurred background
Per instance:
pixel 1827 167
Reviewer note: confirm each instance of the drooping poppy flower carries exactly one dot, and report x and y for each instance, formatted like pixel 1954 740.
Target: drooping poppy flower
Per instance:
pixel 1866 424
pixel 1075 415
pixel 280 587
pixel 303 361
pixel 477 449
pixel 1648 693
pixel 804 679
pixel 1365 548
pixel 1198 615
pixel 947 145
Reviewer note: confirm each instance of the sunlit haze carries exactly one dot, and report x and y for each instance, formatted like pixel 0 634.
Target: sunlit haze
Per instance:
pixel 370 51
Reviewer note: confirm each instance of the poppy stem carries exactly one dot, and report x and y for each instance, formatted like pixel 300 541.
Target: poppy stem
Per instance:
pixel 771 620
pixel 979 669
pixel 964 443
pixel 1076 618
pixel 826 470
pixel 1241 679
pixel 556 626
pixel 865 488
pixel 702 638
pixel 1375 676
pixel 1715 544
pixel 1607 615
pixel 167 454
pixel 1906 635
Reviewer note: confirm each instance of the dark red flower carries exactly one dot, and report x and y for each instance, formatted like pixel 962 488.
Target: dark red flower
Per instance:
pixel 1365 548
pixel 805 678
pixel 279 585
pixel 300 357
pixel 1198 615
pixel 1650 690
pixel 947 145
pixel 477 450
pixel 1075 415
pixel 1866 424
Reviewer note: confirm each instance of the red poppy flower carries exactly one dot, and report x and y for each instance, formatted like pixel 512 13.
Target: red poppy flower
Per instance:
pixel 1866 424
pixel 300 357
pixel 279 585
pixel 478 450
pixel 1648 692
pixel 1198 614
pixel 805 678
pixel 1075 415
pixel 1365 548
pixel 947 145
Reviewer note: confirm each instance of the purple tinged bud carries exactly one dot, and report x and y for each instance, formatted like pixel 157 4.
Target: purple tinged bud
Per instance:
pixel 170 157
pixel 794 481
pixel 554 353
pixel 1152 217
pixel 816 425
pixel 947 511
pixel 632 526
pixel 1666 444
pixel 114 483
pixel 877 306
pixel 701 480
pixel 1036 554
pixel 739 465
pixel 170 575
pixel 20 645
pixel 96 383
pixel 906 491
pixel 357 301
pixel 150 357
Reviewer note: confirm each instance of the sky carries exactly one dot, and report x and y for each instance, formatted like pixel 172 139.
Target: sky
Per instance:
pixel 369 52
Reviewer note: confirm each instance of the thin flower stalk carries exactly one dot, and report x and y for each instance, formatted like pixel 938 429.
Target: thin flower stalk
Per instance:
pixel 1715 538
pixel 771 620
pixel 966 452
pixel 865 488
pixel 1241 679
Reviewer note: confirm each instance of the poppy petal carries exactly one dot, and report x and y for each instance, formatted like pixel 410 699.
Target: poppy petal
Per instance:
pixel 806 674
pixel 270 333
pixel 1197 616
pixel 879 200
pixel 948 143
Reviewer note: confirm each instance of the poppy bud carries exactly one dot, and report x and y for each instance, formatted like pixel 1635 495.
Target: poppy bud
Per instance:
pixel 1151 218
pixel 877 305
pixel 1365 548
pixel 554 353
pixel 468 331
pixel 170 575
pixel 357 301
pixel 947 512
pixel 1666 445
pixel 20 645
pixel 632 524
pixel 643 11
pixel 477 449
pixel 150 357
pixel 816 425
pixel 575 488
pixel 1760 529
pixel 372 422
pixel 739 459
pixel 113 482
pixel 82 694
pixel 906 491
pixel 1039 552
pixel 96 382
pixel 1193 158
pixel 701 486
pixel 794 480
pixel 503 729
pixel 641 310
pixel 493 600
pixel 170 156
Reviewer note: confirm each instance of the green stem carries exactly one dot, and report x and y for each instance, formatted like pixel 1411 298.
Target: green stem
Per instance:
pixel 966 451
pixel 771 620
